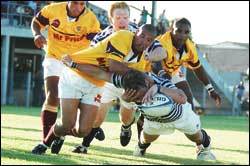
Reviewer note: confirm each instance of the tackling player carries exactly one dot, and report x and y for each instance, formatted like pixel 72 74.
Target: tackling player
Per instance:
pixel 81 89
pixel 119 18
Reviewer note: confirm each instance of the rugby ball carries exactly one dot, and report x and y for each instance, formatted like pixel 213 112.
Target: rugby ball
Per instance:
pixel 161 105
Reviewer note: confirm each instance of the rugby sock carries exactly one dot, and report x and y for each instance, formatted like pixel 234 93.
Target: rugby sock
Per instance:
pixel 139 124
pixel 50 137
pixel 48 119
pixel 89 138
pixel 205 139
pixel 143 145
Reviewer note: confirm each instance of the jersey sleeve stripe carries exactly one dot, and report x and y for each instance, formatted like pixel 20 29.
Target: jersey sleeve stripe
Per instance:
pixel 111 49
pixel 42 20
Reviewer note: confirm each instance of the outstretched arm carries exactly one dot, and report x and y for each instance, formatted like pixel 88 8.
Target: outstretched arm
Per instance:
pixel 202 76
pixel 94 71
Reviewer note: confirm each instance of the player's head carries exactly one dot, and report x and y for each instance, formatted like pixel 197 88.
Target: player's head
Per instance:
pixel 119 15
pixel 76 7
pixel 180 31
pixel 144 36
pixel 136 80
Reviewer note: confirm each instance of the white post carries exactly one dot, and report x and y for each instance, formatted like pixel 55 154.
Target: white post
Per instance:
pixel 4 68
pixel 28 90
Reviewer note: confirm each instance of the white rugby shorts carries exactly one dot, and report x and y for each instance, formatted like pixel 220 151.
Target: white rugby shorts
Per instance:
pixel 188 123
pixel 73 86
pixel 52 67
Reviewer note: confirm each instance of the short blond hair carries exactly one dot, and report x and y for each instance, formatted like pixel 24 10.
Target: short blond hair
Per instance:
pixel 118 5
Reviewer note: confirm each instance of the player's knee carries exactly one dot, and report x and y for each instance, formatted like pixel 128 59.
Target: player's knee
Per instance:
pixel 59 129
pixel 126 119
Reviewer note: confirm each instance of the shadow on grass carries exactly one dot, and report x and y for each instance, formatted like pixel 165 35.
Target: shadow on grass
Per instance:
pixel 106 152
pixel 223 149
pixel 127 154
pixel 26 155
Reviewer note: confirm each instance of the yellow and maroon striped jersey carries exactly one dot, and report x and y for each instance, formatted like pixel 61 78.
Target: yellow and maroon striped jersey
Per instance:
pixel 67 35
pixel 189 58
pixel 117 46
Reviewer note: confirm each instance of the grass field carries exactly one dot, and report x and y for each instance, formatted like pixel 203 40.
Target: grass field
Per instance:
pixel 20 132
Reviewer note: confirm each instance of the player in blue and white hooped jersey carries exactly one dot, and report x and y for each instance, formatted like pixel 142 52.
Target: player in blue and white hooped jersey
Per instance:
pixel 165 108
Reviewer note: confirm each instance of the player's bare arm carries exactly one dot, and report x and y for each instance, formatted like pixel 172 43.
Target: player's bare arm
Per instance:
pixel 39 39
pixel 118 67
pixel 202 76
pixel 176 94
pixel 92 70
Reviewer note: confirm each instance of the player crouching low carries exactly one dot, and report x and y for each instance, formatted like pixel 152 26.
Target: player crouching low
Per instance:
pixel 165 109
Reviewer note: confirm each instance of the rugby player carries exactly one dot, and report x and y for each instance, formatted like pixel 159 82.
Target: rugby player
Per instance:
pixel 180 52
pixel 71 27
pixel 119 14
pixel 80 89
pixel 165 109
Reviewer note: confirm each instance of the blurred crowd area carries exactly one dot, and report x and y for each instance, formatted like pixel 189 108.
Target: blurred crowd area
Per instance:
pixel 20 13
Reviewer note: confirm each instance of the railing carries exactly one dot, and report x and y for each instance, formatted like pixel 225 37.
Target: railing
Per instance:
pixel 20 14
pixel 222 85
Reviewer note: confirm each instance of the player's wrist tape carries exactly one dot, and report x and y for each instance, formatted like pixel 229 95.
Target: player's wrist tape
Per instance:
pixel 117 80
pixel 73 64
pixel 209 88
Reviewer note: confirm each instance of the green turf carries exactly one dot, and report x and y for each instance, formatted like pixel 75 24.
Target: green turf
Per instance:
pixel 20 132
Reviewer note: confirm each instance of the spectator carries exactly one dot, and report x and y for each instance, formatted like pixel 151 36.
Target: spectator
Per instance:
pixel 163 23
pixel 240 90
pixel 144 15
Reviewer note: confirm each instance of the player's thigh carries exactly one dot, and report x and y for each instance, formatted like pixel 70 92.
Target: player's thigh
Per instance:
pixel 51 86
pixel 69 112
pixel 189 123
pixel 52 71
pixel 102 113
pixel 87 117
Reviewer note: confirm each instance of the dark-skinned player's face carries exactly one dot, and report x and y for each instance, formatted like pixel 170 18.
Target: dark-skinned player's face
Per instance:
pixel 76 7
pixel 180 33
pixel 142 40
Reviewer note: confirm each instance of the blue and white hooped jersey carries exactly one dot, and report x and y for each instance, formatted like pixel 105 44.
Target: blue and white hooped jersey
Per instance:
pixel 162 109
pixel 108 31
